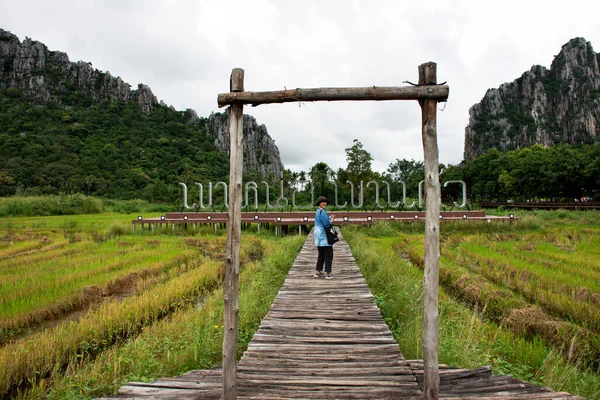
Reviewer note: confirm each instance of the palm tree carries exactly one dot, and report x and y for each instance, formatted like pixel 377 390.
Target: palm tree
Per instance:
pixel 302 179
pixel 294 182
pixel 319 174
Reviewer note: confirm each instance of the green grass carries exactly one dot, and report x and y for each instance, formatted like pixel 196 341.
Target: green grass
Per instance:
pixel 50 266
pixel 56 277
pixel 76 204
pixel 172 322
pixel 529 297
pixel 49 205
pixel 475 312
pixel 189 339
pixel 40 356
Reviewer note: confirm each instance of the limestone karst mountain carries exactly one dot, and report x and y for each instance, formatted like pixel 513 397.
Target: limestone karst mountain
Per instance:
pixel 543 106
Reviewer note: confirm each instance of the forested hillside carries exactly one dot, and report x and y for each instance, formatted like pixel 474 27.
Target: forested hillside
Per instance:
pixel 105 149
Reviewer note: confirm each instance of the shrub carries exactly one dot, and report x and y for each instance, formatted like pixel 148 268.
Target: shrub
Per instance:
pixel 254 250
pixel 49 205
pixel 118 229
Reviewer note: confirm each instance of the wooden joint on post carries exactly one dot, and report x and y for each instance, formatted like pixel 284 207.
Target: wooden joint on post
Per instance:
pixel 428 73
pixel 428 76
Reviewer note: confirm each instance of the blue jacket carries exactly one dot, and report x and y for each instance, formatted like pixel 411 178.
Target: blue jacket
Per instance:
pixel 321 223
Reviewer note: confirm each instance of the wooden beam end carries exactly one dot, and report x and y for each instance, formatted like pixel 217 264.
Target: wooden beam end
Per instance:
pixel 236 81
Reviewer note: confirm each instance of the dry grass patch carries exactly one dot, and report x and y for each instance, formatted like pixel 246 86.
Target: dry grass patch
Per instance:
pixel 576 343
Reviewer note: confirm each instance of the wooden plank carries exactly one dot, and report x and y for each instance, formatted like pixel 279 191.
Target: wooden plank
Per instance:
pixel 395 365
pixel 175 384
pixel 376 93
pixel 311 358
pixel 335 392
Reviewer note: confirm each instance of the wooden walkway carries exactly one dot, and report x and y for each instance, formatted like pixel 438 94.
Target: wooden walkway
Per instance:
pixel 326 339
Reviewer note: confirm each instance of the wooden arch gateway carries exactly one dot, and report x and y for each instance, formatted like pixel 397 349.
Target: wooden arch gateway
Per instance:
pixel 428 93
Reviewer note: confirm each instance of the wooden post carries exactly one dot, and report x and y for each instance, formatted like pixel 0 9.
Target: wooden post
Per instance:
pixel 428 76
pixel 232 269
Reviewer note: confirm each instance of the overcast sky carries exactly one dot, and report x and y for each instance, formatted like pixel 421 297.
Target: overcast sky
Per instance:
pixel 185 51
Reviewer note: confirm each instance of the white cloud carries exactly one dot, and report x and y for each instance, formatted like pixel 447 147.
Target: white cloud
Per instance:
pixel 185 50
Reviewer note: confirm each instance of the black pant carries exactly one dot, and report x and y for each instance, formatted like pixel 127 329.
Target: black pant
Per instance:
pixel 325 256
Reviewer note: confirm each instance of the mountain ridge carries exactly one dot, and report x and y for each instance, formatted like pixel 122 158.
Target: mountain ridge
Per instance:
pixel 45 75
pixel 543 106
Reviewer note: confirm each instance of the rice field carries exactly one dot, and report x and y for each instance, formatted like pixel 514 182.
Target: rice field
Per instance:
pixel 524 298
pixel 540 283
pixel 78 293
pixel 46 273
pixel 87 305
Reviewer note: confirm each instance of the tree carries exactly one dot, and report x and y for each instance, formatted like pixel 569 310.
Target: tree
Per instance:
pixel 481 174
pixel 302 175
pixel 402 170
pixel 410 172
pixel 289 179
pixel 359 162
pixel 591 171
pixel 560 172
pixel 319 175
pixel 565 175
pixel 341 176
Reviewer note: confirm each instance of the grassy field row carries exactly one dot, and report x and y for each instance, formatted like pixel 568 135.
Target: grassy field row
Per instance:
pixel 500 303
pixel 74 204
pixel 189 338
pixel 41 355
pixel 555 291
pixel 171 319
pixel 37 286
pixel 49 205
pixel 43 275
pixel 171 309
pixel 566 285
pixel 469 338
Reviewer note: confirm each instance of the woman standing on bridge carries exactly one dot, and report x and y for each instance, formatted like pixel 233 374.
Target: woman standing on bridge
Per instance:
pixel 325 249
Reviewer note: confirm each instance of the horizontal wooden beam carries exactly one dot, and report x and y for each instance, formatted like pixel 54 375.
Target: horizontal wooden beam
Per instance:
pixel 377 93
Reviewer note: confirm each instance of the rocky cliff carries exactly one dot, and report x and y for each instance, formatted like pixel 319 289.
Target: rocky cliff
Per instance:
pixel 545 106
pixel 43 75
pixel 260 153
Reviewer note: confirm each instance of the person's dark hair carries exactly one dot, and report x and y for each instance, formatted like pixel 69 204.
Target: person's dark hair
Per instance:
pixel 321 199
